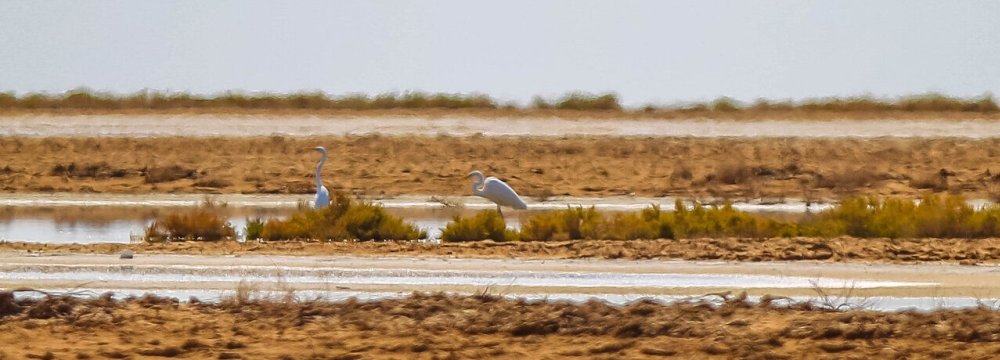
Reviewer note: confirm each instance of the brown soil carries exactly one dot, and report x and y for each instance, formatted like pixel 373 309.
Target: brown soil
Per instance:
pixel 961 251
pixel 436 326
pixel 536 167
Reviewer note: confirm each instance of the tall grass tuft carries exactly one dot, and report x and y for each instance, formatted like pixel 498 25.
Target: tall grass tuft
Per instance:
pixel 204 223
pixel 485 225
pixel 254 229
pixel 344 219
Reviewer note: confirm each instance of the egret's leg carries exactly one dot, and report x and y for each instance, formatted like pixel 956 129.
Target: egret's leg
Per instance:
pixel 499 211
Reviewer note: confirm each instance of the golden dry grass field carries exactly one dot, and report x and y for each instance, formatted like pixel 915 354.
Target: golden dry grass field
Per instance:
pixel 767 168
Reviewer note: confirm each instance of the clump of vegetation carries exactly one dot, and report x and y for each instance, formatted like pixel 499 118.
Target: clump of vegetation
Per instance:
pixel 343 219
pixel 570 224
pixel 933 217
pixel 204 223
pixel 485 225
pixel 930 102
pixel 652 223
pixel 580 101
pixel 254 229
pixel 725 221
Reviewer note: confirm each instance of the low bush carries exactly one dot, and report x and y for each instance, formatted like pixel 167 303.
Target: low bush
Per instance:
pixel 485 225
pixel 570 224
pixel 343 219
pixel 254 229
pixel 933 216
pixel 205 223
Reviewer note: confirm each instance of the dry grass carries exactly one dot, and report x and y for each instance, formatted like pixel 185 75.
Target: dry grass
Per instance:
pixel 343 219
pixel 204 223
pixel 577 166
pixel 483 326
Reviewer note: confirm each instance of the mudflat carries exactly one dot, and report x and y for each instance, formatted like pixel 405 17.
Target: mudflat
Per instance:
pixel 841 249
pixel 735 168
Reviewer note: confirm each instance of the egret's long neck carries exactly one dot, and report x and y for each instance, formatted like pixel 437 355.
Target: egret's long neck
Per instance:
pixel 477 183
pixel 319 180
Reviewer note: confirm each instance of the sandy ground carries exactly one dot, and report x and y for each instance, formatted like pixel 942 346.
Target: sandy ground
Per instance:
pixel 476 327
pixel 842 249
pixel 808 169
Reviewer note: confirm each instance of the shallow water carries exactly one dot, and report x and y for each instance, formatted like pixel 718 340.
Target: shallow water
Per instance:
pixel 250 125
pixel 47 218
pixel 877 303
pixel 611 203
pixel 67 218
pixel 52 231
pixel 876 286
pixel 186 276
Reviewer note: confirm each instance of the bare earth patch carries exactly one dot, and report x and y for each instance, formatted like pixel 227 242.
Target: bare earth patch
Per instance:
pixel 842 249
pixel 475 327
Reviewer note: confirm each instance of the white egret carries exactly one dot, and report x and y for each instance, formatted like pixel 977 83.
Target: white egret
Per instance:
pixel 322 194
pixel 496 191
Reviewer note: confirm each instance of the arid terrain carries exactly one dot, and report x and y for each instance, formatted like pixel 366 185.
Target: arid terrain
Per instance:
pixel 438 326
pixel 962 251
pixel 768 168
pixel 435 326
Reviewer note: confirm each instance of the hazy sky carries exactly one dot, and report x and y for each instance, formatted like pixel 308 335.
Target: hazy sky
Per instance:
pixel 646 51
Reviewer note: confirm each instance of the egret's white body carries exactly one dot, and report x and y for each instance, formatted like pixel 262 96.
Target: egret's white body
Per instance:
pixel 496 191
pixel 322 194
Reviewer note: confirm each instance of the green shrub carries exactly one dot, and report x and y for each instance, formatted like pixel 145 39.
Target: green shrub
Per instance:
pixel 570 224
pixel 725 221
pixel 254 229
pixel 344 219
pixel 933 217
pixel 485 225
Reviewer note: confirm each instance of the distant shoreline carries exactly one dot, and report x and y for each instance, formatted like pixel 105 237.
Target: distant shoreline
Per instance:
pixel 500 114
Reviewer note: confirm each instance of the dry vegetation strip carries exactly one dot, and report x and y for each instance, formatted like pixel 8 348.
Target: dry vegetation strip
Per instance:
pixel 687 167
pixel 934 217
pixel 963 251
pixel 436 326
pixel 153 101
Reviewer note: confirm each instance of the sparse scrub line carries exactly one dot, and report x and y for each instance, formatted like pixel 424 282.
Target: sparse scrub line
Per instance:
pixel 948 216
pixel 344 219
pixel 934 216
pixel 85 99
